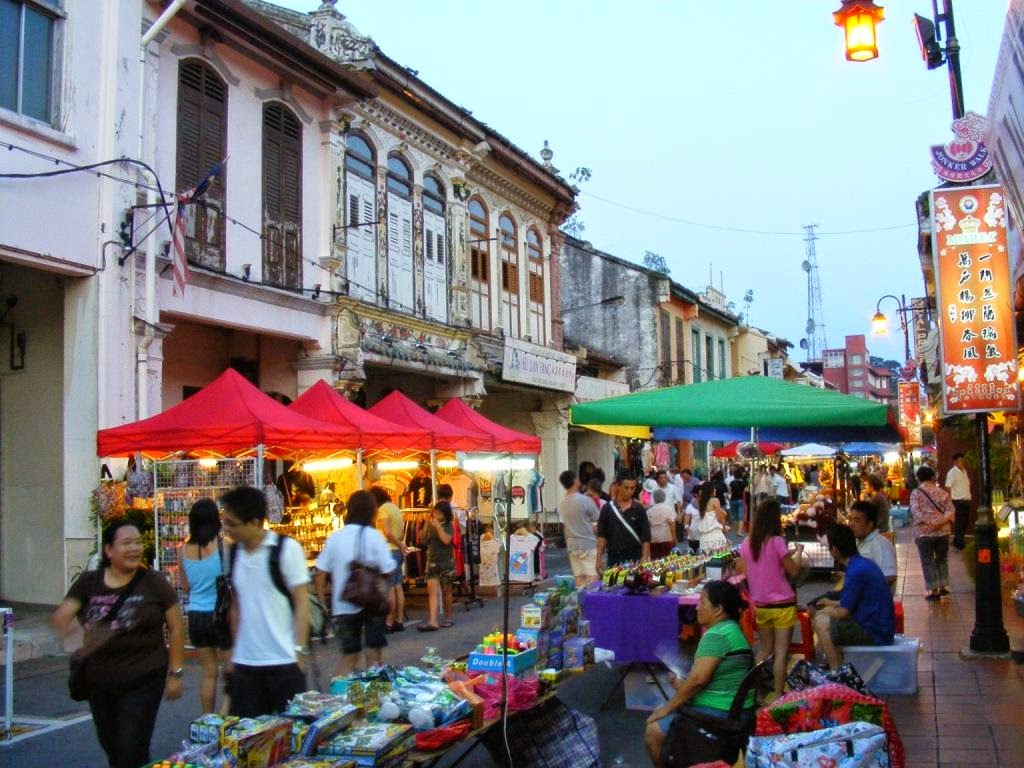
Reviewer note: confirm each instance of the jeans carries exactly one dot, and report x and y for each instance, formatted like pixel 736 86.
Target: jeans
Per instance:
pixel 963 514
pixel 736 507
pixel 124 720
pixel 934 552
pixel 264 690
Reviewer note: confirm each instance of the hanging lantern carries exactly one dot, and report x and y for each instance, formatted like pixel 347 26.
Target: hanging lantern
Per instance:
pixel 858 18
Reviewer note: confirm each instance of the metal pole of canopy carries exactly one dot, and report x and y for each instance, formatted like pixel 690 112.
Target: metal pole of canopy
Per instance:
pixel 359 467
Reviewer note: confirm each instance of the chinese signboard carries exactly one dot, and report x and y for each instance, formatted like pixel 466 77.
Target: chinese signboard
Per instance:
pixel 910 410
pixel 528 363
pixel 965 158
pixel 975 300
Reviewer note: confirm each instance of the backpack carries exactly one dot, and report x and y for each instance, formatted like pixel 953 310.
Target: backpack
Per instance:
pixel 317 612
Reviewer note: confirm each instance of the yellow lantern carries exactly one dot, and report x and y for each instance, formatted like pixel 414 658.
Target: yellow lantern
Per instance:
pixel 858 19
pixel 880 325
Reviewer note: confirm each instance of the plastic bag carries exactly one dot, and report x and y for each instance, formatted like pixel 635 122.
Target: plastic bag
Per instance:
pixel 522 694
pixel 439 738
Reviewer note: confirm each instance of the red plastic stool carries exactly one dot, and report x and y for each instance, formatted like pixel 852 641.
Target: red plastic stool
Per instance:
pixel 805 644
pixel 898 610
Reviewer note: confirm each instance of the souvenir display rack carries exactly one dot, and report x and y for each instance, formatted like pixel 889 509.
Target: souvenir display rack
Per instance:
pixel 177 486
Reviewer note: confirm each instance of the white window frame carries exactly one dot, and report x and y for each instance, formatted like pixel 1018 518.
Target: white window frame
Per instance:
pixel 16 116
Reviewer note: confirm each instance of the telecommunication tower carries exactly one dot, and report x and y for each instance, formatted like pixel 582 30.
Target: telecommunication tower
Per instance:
pixel 815 328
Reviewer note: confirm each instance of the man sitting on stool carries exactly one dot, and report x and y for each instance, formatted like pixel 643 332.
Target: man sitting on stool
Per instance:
pixel 863 614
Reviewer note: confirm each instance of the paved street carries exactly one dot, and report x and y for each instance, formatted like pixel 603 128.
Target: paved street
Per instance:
pixel 966 713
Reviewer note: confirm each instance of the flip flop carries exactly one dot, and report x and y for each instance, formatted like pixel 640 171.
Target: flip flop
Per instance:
pixel 427 628
pixel 446 624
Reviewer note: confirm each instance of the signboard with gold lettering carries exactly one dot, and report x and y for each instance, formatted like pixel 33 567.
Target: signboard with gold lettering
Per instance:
pixel 909 410
pixel 974 300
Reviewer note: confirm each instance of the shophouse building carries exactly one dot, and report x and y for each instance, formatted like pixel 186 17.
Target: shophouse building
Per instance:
pixel 363 229
pixel 662 332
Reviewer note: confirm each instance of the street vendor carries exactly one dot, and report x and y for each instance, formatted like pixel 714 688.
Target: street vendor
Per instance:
pixel 296 485
pixel 623 530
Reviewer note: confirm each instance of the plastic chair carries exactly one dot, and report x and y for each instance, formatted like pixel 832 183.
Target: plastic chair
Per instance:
pixel 898 610
pixel 805 645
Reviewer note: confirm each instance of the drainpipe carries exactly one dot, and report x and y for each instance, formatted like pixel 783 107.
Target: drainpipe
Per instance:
pixel 152 313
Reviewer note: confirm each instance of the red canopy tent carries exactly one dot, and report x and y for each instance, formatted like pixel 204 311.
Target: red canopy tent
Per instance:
pixel 364 429
pixel 502 438
pixel 729 451
pixel 445 436
pixel 226 416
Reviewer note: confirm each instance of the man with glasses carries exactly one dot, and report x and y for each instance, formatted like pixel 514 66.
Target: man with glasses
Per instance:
pixel 271 609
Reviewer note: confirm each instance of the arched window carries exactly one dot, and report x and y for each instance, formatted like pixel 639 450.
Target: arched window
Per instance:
pixel 359 156
pixel 361 218
pixel 480 265
pixel 435 252
pixel 282 196
pixel 433 194
pixel 509 275
pixel 399 177
pixel 401 290
pixel 535 262
pixel 202 143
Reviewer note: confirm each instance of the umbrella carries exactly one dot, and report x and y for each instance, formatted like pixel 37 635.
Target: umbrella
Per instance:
pixel 729 451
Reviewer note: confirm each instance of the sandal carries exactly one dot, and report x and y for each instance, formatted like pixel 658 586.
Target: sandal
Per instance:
pixel 426 628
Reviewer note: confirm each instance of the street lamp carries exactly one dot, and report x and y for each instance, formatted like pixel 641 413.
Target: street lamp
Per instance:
pixel 610 301
pixel 880 323
pixel 858 18
pixel 989 634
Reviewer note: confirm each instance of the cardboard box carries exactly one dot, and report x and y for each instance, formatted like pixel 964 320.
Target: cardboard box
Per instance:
pixel 536 638
pixel 492 662
pixel 535 616
pixel 210 728
pixel 260 744
pixel 578 652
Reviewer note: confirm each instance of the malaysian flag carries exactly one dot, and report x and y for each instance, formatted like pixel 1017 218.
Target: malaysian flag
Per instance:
pixel 179 258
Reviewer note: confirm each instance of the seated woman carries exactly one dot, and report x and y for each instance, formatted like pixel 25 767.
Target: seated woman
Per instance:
pixel 722 660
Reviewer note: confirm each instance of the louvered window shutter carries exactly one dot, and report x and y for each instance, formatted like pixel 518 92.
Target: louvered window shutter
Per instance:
pixel 428 241
pixel 282 197
pixel 440 248
pixel 202 121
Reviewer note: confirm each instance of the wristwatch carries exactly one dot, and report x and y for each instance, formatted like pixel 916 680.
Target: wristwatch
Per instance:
pixel 177 673
pixel 302 650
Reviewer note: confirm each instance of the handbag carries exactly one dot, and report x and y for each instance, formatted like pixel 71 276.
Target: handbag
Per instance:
pixel 78 686
pixel 366 586
pixel 225 597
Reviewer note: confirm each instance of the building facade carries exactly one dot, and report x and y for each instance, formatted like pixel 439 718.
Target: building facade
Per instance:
pixel 850 370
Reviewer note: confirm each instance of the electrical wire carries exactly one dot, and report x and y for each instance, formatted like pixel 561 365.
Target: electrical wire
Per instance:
pixel 741 230
pixel 91 168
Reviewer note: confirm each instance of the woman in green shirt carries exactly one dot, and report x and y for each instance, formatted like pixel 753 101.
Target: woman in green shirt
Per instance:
pixel 722 660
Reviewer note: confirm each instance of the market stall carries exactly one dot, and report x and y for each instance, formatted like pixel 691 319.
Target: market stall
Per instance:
pixel 415 715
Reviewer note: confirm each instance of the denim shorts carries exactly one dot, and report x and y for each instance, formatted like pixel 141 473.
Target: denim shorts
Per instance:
pixel 395 577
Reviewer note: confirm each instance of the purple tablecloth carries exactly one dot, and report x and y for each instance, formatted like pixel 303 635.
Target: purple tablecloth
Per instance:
pixel 631 625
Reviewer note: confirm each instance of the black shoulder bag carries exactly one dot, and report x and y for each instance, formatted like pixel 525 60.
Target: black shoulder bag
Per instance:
pixel 225 595
pixel 78 686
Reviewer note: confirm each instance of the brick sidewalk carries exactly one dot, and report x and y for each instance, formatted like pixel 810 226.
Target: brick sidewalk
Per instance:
pixel 966 713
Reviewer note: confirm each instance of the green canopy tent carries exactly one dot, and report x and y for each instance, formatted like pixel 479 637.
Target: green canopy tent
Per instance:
pixel 728 409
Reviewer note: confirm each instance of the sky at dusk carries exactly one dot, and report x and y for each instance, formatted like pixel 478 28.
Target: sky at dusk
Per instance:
pixel 701 119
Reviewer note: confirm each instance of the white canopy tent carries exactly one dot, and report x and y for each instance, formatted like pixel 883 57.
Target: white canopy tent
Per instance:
pixel 810 451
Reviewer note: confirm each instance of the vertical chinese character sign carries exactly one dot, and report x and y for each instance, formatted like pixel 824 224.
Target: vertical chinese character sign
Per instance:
pixel 909 407
pixel 975 300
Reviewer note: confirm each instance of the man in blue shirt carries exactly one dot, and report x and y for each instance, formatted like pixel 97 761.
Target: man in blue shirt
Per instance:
pixel 863 614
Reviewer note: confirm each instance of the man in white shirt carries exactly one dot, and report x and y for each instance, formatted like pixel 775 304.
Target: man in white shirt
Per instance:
pixel 779 485
pixel 672 495
pixel 270 611
pixel 959 485
pixel 359 541
pixel 863 520
pixel 578 515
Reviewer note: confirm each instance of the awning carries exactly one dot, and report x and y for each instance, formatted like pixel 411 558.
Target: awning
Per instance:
pixel 503 438
pixel 227 416
pixel 444 436
pixel 364 430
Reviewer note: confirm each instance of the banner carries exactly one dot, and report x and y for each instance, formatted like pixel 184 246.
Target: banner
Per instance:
pixel 974 300
pixel 909 409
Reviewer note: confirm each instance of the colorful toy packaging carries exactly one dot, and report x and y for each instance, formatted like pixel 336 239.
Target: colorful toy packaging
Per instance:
pixel 578 652
pixel 210 728
pixel 326 726
pixel 260 742
pixel 536 616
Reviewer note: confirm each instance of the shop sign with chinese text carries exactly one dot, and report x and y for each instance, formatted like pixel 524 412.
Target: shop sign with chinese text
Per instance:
pixel 910 410
pixel 974 299
pixel 965 158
